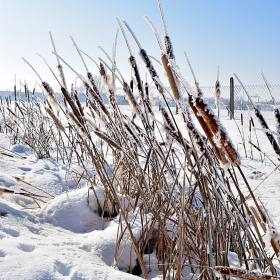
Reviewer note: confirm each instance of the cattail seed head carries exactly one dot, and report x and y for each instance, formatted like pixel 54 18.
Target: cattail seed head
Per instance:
pixel 72 117
pixel 54 103
pixel 220 135
pixel 151 69
pixel 55 119
pixel 61 75
pixel 91 79
pixel 5 191
pixel 168 48
pixel 48 88
pixel 107 139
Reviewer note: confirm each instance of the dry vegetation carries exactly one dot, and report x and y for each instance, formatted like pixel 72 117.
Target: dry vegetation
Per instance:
pixel 181 186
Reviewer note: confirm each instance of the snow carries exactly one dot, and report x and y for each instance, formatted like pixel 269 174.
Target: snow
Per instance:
pixel 67 239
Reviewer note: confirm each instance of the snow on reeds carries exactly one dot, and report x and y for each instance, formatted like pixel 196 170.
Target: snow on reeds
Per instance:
pixel 180 185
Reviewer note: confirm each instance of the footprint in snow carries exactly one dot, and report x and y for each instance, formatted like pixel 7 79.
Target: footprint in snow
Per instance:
pixel 2 254
pixel 257 175
pixel 12 232
pixel 25 168
pixel 26 247
pixel 33 229
pixel 62 268
pixel 85 248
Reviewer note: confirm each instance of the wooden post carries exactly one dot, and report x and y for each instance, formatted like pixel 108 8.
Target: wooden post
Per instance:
pixel 15 93
pixel 15 89
pixel 231 102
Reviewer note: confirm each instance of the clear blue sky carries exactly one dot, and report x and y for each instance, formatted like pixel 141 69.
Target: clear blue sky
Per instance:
pixel 241 36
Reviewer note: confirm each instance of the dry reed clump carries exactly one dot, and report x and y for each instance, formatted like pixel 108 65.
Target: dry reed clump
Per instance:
pixel 189 214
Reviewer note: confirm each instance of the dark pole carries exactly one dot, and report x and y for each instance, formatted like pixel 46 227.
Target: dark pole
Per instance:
pixel 231 101
pixel 15 89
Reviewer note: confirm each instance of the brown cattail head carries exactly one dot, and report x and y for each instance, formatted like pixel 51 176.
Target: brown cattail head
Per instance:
pixel 53 102
pixel 269 135
pixel 72 105
pixel 97 100
pixel 220 135
pixel 196 136
pixel 48 88
pixel 61 74
pixel 5 191
pixel 106 78
pixel 73 118
pixel 106 138
pixel 171 78
pixel 217 91
pixel 79 103
pixel 94 107
pixel 175 135
pixel 151 69
pixel 18 179
pixel 167 119
pixel 217 150
pixel 55 119
pixel 217 94
pixel 91 79
pixel 132 100
pixel 137 75
pixel 51 96
pixel 168 48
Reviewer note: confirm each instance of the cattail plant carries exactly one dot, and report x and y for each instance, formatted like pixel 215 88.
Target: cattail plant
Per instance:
pixel 184 201
pixel 59 66
pixel 217 92
pixel 262 121
pixel 276 110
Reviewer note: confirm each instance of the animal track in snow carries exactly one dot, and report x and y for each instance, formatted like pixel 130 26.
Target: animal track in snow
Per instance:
pixel 26 247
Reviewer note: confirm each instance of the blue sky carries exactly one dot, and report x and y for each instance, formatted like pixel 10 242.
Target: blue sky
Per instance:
pixel 240 36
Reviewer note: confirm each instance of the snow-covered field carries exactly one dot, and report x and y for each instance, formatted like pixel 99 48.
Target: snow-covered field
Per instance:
pixel 65 240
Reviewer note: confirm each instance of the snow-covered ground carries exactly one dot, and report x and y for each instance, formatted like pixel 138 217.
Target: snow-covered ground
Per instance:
pixel 65 240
